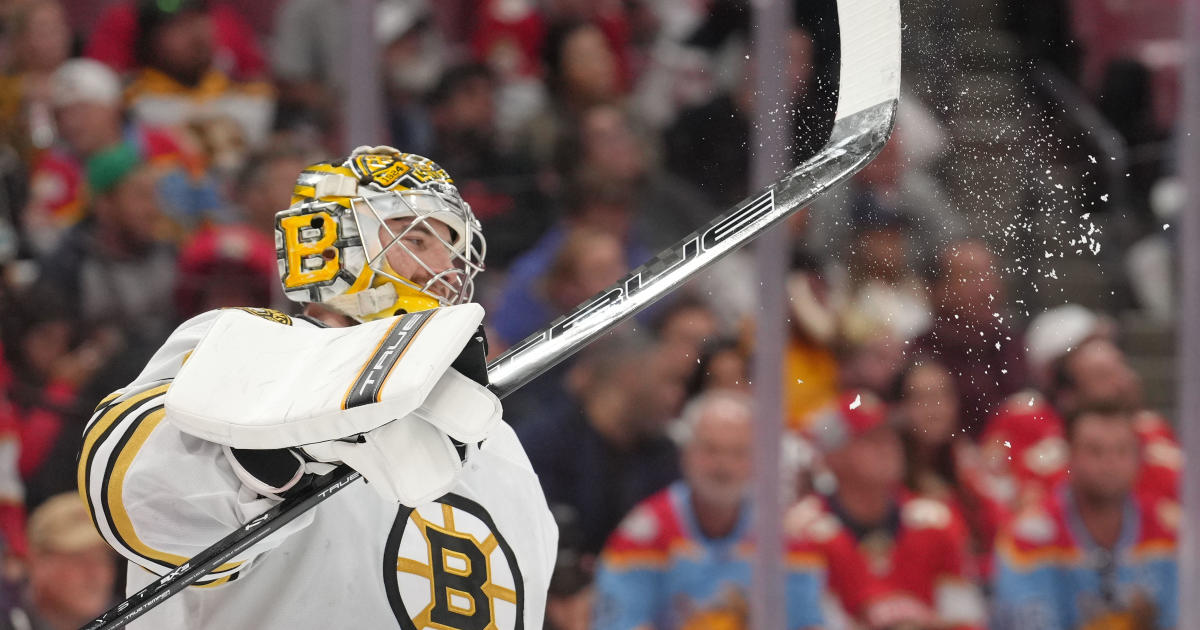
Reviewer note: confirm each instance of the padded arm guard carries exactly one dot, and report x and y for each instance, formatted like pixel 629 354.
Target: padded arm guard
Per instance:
pixel 381 397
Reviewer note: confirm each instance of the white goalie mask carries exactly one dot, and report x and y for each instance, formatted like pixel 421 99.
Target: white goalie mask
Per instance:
pixel 378 233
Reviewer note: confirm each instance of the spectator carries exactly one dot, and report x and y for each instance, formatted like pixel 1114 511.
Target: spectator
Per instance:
pixel 1093 372
pixel 500 183
pixel 1096 372
pixel 893 185
pixel 56 361
pixel 71 570
pixel 810 367
pixel 940 462
pixel 683 327
pixel 886 297
pixel 894 559
pixel 264 186
pixel 308 62
pixel 723 364
pixel 1162 457
pixel 114 268
pixel 581 72
pixel 41 41
pixel 587 261
pixel 672 563
pixel 612 451
pixel 708 145
pixel 12 490
pixel 611 188
pixel 572 592
pixel 1054 332
pixel 177 81
pixel 86 97
pixel 606 145
pixel 413 59
pixel 969 333
pixel 673 74
pixel 508 38
pixel 226 266
pixel 595 205
pixel 1096 552
pixel 1024 450
pixel 116 34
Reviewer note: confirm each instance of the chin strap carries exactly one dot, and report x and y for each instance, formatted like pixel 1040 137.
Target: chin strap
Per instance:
pixel 367 302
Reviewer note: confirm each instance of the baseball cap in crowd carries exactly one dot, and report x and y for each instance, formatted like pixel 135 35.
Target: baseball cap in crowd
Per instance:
pixel 1054 332
pixel 854 413
pixel 395 18
pixel 62 525
pixel 84 81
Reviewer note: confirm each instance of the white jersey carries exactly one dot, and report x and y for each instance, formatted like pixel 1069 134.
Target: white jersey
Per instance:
pixel 479 557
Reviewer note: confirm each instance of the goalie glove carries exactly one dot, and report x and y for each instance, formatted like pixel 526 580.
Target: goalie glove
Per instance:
pixel 411 460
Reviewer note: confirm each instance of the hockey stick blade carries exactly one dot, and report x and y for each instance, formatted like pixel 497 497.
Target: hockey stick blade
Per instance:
pixel 869 89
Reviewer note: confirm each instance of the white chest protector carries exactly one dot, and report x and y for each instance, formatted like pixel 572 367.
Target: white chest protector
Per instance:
pixel 480 556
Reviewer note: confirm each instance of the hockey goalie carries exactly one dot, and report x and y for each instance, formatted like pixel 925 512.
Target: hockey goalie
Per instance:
pixel 384 372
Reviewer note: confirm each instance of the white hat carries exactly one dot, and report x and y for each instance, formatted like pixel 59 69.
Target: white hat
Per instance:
pixel 84 81
pixel 1056 331
pixel 395 18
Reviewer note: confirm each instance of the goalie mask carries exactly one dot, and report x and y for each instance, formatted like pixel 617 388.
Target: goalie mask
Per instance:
pixel 376 234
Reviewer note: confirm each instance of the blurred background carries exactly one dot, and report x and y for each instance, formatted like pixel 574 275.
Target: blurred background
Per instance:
pixel 985 307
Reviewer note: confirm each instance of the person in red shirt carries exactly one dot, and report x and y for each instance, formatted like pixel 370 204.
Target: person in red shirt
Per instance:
pixel 179 81
pixel 1162 459
pixel 942 462
pixel 895 559
pixel 1097 372
pixel 1024 450
pixel 86 98
pixel 12 490
pixel 1095 553
pixel 681 559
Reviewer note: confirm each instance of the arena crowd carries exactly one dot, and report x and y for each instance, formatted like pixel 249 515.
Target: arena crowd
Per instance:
pixel 955 457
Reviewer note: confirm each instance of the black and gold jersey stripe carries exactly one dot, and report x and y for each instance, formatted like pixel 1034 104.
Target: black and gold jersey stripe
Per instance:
pixel 125 421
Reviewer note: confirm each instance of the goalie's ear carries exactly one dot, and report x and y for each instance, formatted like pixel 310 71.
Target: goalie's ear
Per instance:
pixel 472 361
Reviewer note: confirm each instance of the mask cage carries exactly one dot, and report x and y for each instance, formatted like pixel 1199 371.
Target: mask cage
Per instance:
pixel 453 284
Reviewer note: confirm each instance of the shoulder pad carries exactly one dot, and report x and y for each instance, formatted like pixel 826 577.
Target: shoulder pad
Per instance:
pixel 1034 526
pixel 808 520
pixel 1046 457
pixel 1165 453
pixel 251 383
pixel 1151 425
pixel 925 513
pixel 1168 514
pixel 641 526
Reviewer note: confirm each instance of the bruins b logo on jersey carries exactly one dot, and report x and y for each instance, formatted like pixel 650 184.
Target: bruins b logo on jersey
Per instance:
pixel 446 566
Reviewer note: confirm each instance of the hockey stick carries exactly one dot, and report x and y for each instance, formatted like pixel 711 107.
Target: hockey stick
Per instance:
pixel 869 86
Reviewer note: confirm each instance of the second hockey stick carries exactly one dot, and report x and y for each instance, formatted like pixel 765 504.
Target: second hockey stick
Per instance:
pixel 868 85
